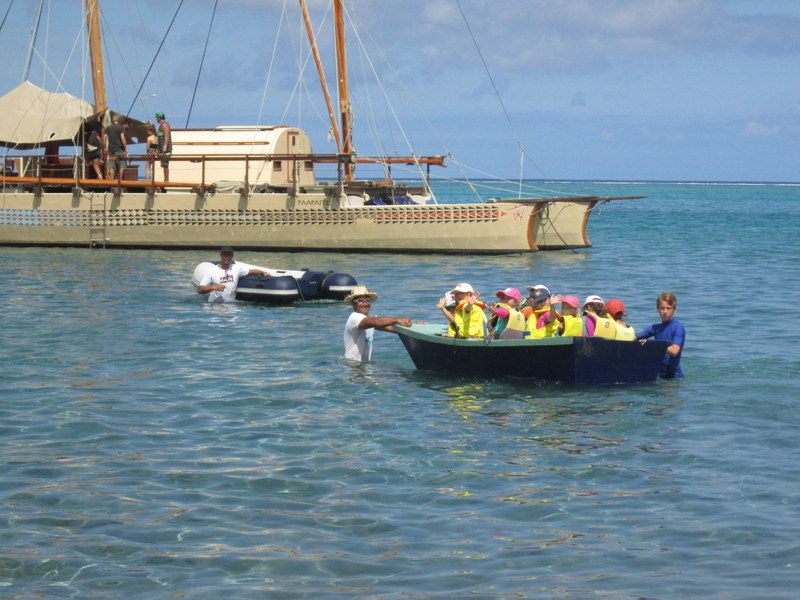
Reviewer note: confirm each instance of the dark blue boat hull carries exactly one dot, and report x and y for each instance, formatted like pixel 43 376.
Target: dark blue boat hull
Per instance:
pixel 584 360
pixel 285 289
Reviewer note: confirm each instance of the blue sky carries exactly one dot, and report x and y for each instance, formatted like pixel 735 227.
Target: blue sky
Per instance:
pixel 591 89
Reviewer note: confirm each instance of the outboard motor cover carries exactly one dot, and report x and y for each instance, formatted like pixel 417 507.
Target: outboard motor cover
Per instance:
pixel 337 285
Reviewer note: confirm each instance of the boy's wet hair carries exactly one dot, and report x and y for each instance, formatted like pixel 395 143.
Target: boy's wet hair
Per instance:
pixel 669 298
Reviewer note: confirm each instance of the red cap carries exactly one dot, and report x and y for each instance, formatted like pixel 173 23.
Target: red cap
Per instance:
pixel 614 307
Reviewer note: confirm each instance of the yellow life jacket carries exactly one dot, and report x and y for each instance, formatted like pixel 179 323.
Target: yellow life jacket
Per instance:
pixel 605 327
pixel 573 326
pixel 549 329
pixel 470 324
pixel 514 324
pixel 625 332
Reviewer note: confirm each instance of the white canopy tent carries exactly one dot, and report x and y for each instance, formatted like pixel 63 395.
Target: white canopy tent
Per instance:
pixel 31 116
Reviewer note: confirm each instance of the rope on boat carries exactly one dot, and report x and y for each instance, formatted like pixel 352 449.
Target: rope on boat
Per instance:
pixel 34 35
pixel 8 10
pixel 155 56
pixel 391 108
pixel 523 155
pixel 271 64
pixel 527 188
pixel 202 60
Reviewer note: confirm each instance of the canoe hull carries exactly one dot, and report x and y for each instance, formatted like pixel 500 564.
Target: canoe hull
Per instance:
pixel 310 221
pixel 579 360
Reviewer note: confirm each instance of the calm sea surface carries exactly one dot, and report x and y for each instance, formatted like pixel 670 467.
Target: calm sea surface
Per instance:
pixel 153 446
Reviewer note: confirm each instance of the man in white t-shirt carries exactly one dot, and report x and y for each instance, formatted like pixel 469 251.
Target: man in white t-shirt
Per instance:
pixel 220 282
pixel 361 326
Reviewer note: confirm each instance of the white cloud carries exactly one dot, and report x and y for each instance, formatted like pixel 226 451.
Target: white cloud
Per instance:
pixel 756 129
pixel 585 35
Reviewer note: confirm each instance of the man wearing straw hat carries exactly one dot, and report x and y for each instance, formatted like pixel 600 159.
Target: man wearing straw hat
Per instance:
pixel 360 326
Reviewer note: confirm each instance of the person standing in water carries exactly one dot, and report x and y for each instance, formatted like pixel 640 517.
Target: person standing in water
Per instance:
pixel 361 325
pixel 220 281
pixel 670 330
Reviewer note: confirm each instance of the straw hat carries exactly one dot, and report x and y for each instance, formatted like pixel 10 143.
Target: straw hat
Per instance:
pixel 360 291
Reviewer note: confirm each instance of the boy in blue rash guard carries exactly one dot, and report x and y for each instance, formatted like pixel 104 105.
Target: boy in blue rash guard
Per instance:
pixel 670 330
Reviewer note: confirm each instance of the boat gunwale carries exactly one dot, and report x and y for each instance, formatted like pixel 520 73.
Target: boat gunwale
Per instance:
pixel 434 333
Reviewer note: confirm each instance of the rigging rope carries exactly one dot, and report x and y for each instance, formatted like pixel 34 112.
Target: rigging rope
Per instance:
pixel 497 93
pixel 266 82
pixel 34 34
pixel 391 107
pixel 202 60
pixel 8 10
pixel 155 56
pixel 271 64
pixel 398 81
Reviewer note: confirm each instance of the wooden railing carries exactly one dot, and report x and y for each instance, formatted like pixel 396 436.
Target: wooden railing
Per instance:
pixel 65 170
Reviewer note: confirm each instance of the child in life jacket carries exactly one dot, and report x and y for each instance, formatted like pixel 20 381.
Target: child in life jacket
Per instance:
pixel 543 320
pixel 526 307
pixel 447 304
pixel 595 320
pixel 469 320
pixel 616 310
pixel 570 324
pixel 508 322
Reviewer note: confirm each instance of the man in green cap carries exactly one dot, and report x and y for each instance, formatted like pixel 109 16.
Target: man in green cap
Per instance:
pixel 164 143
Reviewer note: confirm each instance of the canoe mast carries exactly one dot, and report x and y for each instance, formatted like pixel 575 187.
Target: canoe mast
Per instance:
pixel 321 72
pixel 96 55
pixel 344 89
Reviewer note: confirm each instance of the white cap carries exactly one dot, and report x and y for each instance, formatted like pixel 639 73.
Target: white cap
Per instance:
pixel 462 287
pixel 532 288
pixel 591 299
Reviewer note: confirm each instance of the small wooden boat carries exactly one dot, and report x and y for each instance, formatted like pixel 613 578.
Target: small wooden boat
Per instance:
pixel 590 360
pixel 285 287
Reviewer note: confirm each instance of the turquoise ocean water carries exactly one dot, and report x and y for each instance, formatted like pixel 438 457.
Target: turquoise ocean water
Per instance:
pixel 153 446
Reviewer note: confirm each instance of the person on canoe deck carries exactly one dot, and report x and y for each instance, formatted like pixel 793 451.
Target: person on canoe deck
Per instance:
pixel 508 322
pixel 94 149
pixel 544 319
pixel 469 320
pixel 616 310
pixel 117 147
pixel 671 330
pixel 361 325
pixel 152 151
pixel 570 324
pixel 164 142
pixel 220 281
